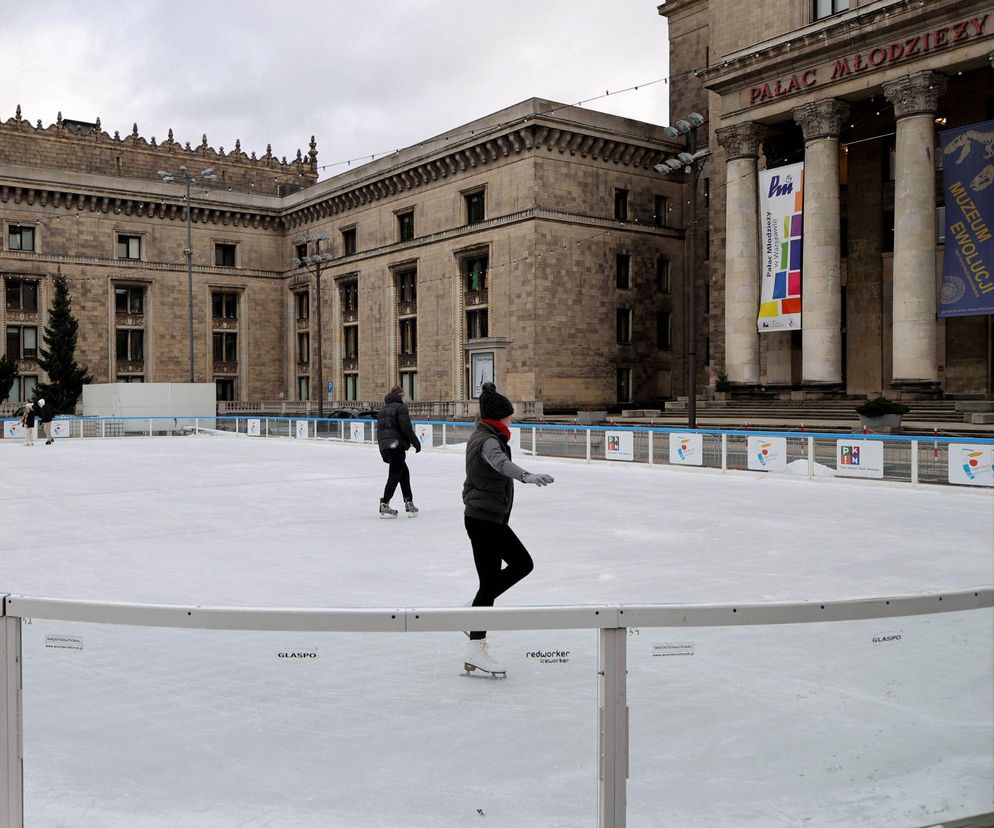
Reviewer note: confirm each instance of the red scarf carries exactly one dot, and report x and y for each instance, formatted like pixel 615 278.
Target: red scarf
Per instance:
pixel 503 429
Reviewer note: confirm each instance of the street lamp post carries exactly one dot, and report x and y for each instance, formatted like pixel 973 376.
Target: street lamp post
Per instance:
pixel 183 174
pixel 691 163
pixel 317 260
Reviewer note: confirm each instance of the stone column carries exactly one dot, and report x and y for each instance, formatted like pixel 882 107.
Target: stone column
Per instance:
pixel 915 337
pixel 821 291
pixel 741 145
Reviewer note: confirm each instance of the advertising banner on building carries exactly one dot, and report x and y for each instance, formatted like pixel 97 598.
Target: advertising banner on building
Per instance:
pixel 687 449
pixel 619 445
pixel 968 262
pixel 971 464
pixel 424 432
pixel 781 213
pixel 768 453
pixel 859 458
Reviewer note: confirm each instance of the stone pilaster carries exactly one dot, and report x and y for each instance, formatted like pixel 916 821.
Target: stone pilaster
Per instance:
pixel 821 335
pixel 915 342
pixel 741 145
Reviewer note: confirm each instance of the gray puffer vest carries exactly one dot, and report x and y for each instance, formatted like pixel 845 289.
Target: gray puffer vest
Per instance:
pixel 487 493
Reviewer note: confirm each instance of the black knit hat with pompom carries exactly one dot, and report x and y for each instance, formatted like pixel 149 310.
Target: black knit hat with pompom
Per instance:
pixel 494 406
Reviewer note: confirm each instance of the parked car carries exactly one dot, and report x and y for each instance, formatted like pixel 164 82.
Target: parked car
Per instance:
pixel 353 413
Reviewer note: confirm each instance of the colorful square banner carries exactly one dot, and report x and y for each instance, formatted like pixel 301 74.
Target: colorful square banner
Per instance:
pixel 357 432
pixel 302 430
pixel 687 449
pixel 767 453
pixel 781 200
pixel 619 445
pixel 425 434
pixel 859 458
pixel 971 464
pixel 254 428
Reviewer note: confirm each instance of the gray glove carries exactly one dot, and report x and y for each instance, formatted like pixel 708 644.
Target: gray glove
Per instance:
pixel 537 479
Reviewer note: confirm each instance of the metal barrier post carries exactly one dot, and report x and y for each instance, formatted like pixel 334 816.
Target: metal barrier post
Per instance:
pixel 724 452
pixel 267 426
pixel 588 445
pixel 11 742
pixel 149 426
pixel 103 428
pixel 443 436
pixel 613 732
pixel 534 441
pixel 811 456
pixel 914 462
pixel 650 446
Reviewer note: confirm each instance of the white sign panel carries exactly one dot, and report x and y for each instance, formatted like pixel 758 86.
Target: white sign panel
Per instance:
pixel 60 429
pixel 859 458
pixel 357 432
pixel 687 449
pixel 619 445
pixel 302 429
pixel 254 428
pixel 767 453
pixel 515 443
pixel 482 365
pixel 12 428
pixel 425 434
pixel 971 464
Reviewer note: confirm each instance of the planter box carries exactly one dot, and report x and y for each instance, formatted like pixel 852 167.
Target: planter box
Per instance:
pixel 886 421
pixel 591 417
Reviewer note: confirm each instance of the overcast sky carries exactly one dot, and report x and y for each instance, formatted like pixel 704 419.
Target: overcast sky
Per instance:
pixel 363 76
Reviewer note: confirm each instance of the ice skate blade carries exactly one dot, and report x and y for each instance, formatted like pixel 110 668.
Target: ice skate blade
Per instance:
pixel 471 668
pixel 388 517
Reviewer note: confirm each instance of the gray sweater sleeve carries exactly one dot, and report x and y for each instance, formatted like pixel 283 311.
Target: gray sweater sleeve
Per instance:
pixel 499 461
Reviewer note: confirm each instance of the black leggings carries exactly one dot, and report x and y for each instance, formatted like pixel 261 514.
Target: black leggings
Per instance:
pixel 493 543
pixel 399 473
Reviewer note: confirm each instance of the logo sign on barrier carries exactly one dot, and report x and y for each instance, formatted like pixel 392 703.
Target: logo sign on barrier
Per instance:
pixel 515 443
pixel 971 464
pixel 302 429
pixel 357 432
pixel 768 453
pixel 619 445
pixel 859 458
pixel 687 449
pixel 424 433
pixel 254 428
pixel 12 428
pixel 60 429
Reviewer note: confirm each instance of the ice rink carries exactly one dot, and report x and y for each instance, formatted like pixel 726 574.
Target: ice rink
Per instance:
pixel 814 725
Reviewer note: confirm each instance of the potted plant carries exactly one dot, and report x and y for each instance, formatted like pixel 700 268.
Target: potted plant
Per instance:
pixel 881 413
pixel 722 386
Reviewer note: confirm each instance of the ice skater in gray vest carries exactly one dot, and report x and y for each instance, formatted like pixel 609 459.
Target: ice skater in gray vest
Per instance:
pixel 488 494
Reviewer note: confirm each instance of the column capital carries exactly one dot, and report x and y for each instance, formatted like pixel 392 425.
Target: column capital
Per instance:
pixel 821 119
pixel 916 94
pixel 741 140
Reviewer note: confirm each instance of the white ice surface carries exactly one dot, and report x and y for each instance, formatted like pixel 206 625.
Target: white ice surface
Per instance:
pixel 802 725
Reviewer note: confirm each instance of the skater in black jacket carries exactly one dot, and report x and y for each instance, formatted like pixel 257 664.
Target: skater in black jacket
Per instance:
pixel 488 495
pixel 46 414
pixel 395 436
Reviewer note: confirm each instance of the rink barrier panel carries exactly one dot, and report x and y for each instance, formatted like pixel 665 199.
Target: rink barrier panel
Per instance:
pixel 611 621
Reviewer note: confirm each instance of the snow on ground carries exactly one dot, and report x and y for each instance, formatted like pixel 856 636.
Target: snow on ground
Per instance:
pixel 808 724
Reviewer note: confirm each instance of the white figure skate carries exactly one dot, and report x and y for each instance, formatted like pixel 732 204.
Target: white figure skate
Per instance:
pixel 480 657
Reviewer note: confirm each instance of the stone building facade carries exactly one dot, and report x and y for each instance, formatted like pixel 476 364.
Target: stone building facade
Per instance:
pixel 537 245
pixel 857 90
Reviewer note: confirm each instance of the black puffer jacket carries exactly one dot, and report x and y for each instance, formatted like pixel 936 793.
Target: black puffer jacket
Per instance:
pixel 29 416
pixel 393 426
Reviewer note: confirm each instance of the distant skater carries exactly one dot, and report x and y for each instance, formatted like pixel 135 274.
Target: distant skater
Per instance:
pixel 488 494
pixel 46 413
pixel 28 424
pixel 395 436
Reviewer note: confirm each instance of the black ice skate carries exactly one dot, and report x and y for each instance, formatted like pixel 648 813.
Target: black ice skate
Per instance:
pixel 386 511
pixel 412 510
pixel 480 658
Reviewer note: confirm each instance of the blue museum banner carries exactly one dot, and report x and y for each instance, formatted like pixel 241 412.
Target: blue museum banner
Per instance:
pixel 968 179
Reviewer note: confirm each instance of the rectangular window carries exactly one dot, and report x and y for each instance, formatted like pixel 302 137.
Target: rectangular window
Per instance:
pixel 20 237
pixel 303 302
pixel 300 250
pixel 22 342
pixel 408 336
pixel 224 305
pixel 407 286
pixel 350 297
pixel 303 347
pixel 129 301
pixel 351 341
pixel 22 295
pixel 129 247
pixel 624 326
pixel 620 204
pixel 475 271
pixel 477 324
pixel 887 245
pixel 663 275
pixel 707 192
pixel 405 226
pixel 476 210
pixel 623 271
pixel 664 330
pixel 130 345
pixel 226 347
pixel 349 241
pixel 826 8
pixel 224 255
pixel 624 385
pixel 661 211
pixel 351 386
pixel 409 382
pixel 225 389
pixel 23 389
pixel 303 388
pixel 707 245
pixel 130 378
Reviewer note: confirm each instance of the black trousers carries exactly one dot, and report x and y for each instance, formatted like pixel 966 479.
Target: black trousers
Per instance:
pixel 493 543
pixel 399 473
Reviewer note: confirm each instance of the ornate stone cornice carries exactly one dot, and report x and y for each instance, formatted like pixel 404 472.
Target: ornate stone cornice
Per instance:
pixel 740 141
pixel 821 119
pixel 916 94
